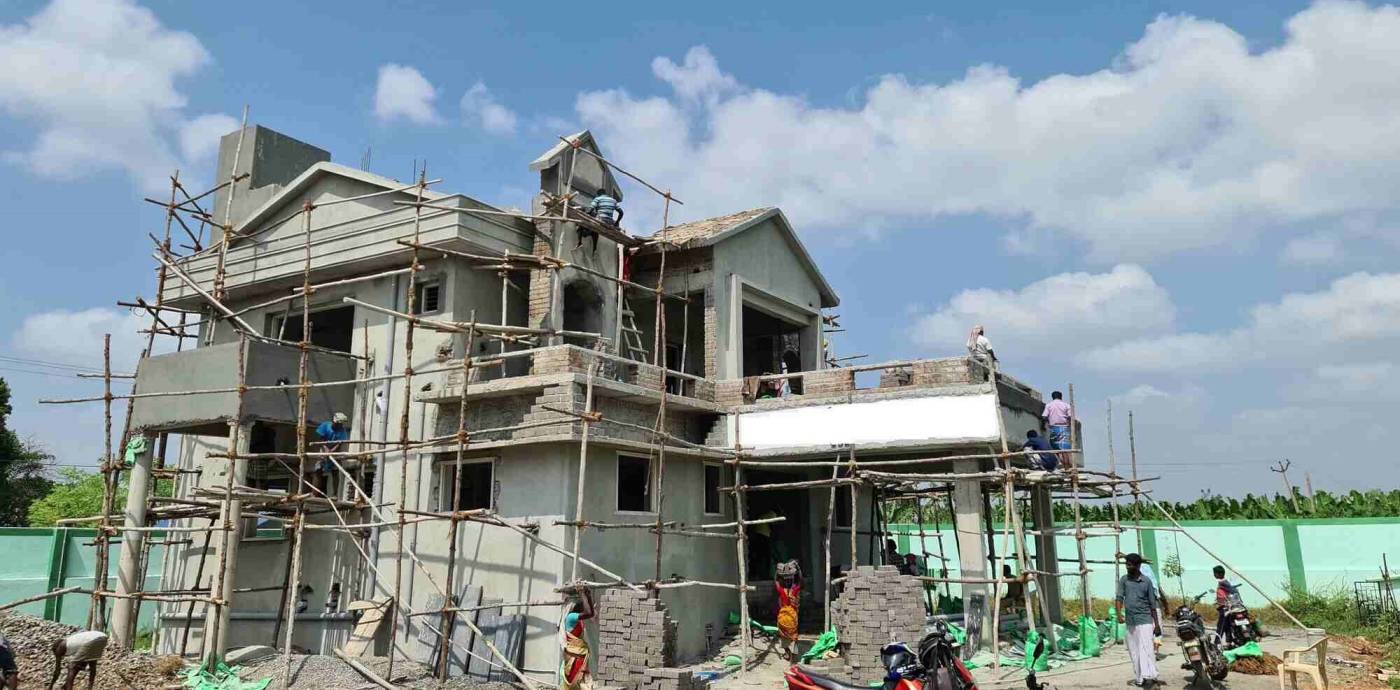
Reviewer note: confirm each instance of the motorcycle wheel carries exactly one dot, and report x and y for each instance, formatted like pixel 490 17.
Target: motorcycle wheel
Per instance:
pixel 1219 667
pixel 1201 677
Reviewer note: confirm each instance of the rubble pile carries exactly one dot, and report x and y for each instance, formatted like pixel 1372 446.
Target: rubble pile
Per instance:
pixel 32 640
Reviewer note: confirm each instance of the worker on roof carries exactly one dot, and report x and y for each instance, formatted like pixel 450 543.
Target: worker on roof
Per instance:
pixel 981 350
pixel 1039 461
pixel 573 670
pixel 606 209
pixel 1057 416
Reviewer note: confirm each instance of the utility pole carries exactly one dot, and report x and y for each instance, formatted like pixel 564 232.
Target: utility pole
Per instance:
pixel 1312 498
pixel 1282 469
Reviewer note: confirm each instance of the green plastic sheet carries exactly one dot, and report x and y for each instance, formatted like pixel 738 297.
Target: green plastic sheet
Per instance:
pixel 136 446
pixel 1120 628
pixel 1089 644
pixel 219 676
pixel 824 644
pixel 1246 649
pixel 1037 655
pixel 959 635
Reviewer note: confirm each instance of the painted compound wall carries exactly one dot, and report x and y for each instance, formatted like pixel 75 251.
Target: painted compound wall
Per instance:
pixel 42 559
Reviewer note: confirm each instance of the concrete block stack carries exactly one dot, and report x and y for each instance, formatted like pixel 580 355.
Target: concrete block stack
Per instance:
pixel 877 607
pixel 635 636
pixel 670 679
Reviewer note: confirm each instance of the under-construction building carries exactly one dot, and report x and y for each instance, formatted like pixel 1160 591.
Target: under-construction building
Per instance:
pixel 534 399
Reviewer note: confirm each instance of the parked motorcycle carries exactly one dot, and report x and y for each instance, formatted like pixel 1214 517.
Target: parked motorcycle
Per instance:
pixel 1239 627
pixel 936 666
pixel 1200 645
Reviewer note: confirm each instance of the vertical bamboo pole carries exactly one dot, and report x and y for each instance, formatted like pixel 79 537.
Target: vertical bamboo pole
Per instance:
pixel 220 269
pixel 660 338
pixel 303 401
pixel 923 547
pixel 1137 506
pixel 826 545
pixel 404 440
pixel 741 546
pixel 996 571
pixel 851 472
pixel 229 508
pixel 582 466
pixel 1117 527
pixel 97 615
pixel 449 617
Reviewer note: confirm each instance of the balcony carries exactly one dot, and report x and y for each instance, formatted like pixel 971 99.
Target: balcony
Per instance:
pixel 271 373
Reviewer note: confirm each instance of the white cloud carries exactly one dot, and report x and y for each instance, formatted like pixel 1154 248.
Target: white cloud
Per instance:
pixel 75 337
pixel 199 138
pixel 1318 248
pixel 479 104
pixel 1057 316
pixel 697 78
pixel 1355 317
pixel 98 81
pixel 1187 140
pixel 403 92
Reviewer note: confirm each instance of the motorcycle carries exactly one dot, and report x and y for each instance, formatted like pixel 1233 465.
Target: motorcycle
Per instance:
pixel 1200 645
pixel 936 666
pixel 1239 628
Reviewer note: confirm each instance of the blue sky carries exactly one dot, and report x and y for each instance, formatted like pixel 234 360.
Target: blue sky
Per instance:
pixel 1185 208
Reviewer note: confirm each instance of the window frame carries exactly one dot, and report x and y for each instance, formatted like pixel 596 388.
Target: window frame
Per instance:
pixel 443 489
pixel 651 484
pixel 705 489
pixel 433 281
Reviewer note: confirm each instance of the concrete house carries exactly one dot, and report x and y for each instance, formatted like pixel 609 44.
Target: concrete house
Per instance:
pixel 744 299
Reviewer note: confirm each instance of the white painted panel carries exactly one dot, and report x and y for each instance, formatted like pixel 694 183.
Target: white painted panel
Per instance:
pixel 943 418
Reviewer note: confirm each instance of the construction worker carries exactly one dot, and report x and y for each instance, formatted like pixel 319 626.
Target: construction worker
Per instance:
pixel 788 581
pixel 606 209
pixel 1039 461
pixel 573 670
pixel 1057 417
pixel 83 648
pixel 1223 591
pixel 980 349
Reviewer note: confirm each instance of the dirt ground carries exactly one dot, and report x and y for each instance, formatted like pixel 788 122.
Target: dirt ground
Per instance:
pixel 1112 670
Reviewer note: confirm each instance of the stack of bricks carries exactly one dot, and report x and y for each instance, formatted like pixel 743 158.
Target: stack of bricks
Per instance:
pixel 636 636
pixel 669 679
pixel 878 606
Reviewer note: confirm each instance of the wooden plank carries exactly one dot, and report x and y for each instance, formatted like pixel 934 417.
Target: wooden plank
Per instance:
pixel 487 619
pixel 372 615
pixel 510 639
pixel 461 634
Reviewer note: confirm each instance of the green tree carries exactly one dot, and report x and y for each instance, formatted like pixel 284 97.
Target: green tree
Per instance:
pixel 23 468
pixel 79 494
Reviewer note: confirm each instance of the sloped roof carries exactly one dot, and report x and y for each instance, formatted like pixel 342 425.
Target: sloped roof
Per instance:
pixel 711 231
pixel 586 140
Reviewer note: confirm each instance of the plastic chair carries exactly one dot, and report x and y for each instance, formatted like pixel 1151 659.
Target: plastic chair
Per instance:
pixel 1293 664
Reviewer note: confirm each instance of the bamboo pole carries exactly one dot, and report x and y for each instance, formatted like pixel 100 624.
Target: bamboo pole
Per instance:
pixel 403 421
pixel 462 440
pixel 227 226
pixel 658 360
pixel 826 549
pixel 1117 533
pixel 303 403
pixel 582 468
pixel 1137 508
pixel 741 547
pixel 97 616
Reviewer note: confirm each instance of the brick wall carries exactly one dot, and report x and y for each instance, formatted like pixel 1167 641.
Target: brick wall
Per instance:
pixel 541 287
pixel 828 382
pixel 711 335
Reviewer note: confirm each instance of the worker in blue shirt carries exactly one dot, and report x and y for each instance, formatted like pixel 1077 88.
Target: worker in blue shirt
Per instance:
pixel 333 434
pixel 1040 461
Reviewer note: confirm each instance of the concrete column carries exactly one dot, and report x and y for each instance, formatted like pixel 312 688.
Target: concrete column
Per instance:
pixel 1046 558
pixel 129 565
pixel 972 547
pixel 216 621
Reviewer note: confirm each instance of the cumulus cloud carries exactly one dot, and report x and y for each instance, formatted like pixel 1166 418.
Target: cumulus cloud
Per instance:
pixel 1356 316
pixel 403 93
pixel 1317 248
pixel 1188 139
pixel 199 138
pixel 481 107
pixel 75 337
pixel 1070 310
pixel 98 81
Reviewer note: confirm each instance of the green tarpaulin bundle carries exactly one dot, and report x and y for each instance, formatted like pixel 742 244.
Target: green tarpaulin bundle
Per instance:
pixel 1089 644
pixel 1246 649
pixel 1120 628
pixel 824 644
pixel 219 676
pixel 1037 655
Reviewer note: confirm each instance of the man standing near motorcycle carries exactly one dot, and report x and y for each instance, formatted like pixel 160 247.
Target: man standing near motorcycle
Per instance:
pixel 1137 599
pixel 1223 591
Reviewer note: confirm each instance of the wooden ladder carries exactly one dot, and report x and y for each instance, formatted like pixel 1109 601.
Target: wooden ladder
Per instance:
pixel 631 335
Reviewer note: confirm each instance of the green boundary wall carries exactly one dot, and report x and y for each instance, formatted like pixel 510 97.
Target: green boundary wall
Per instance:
pixel 1318 555
pixel 34 560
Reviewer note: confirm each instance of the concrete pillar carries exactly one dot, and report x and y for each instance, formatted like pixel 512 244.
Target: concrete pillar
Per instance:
pixel 1046 558
pixel 216 621
pixel 129 565
pixel 972 546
